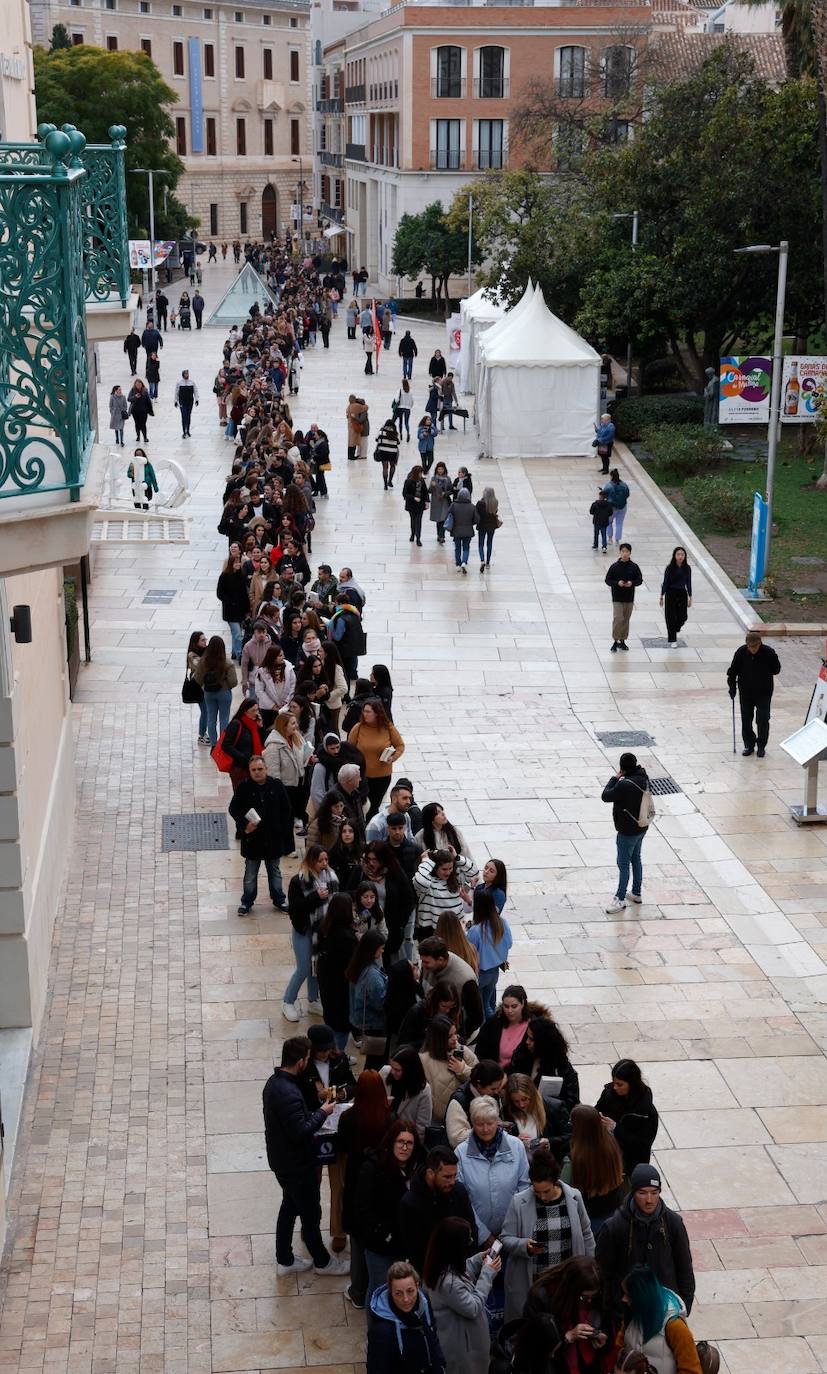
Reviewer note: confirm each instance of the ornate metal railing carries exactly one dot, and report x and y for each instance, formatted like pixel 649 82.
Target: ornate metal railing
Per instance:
pixel 105 236
pixel 45 418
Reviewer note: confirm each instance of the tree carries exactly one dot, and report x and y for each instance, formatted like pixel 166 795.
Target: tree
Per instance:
pixel 60 38
pixel 426 243
pixel 93 89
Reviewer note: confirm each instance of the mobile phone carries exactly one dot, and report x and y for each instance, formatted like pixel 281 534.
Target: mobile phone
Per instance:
pixel 495 1249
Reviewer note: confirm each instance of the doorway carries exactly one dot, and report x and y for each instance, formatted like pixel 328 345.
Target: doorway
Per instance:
pixel 269 219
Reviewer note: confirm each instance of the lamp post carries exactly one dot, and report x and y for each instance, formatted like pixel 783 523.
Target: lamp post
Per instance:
pixel 470 240
pixel 299 203
pixel 782 249
pixel 633 215
pixel 151 173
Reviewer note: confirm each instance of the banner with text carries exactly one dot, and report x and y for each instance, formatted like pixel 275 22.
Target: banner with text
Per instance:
pixel 803 384
pixel 745 391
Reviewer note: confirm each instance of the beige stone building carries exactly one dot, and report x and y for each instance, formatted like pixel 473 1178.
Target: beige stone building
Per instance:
pixel 243 118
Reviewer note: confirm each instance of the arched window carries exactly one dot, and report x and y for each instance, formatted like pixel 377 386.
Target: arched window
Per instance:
pixel 572 79
pixel 449 72
pixel 492 73
pixel 618 65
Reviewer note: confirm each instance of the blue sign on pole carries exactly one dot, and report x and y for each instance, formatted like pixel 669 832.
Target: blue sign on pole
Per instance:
pixel 196 96
pixel 758 546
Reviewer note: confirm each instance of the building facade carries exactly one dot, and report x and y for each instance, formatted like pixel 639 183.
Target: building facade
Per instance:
pixel 243 120
pixel 430 91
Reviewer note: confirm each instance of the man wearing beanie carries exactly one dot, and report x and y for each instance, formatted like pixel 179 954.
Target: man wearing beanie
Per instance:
pixel 644 1230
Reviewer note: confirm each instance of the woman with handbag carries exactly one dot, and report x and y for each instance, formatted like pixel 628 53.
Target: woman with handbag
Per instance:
pixel 192 693
pixel 439 490
pixel 217 677
pixel 368 983
pixel 403 405
pixel 415 496
pixel 307 897
pixel 488 522
pixel 242 739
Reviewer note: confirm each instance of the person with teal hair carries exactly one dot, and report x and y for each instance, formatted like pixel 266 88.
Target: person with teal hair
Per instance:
pixel 655 1324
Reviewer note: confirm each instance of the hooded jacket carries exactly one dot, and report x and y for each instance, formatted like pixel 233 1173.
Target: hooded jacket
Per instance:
pixel 625 794
pixel 397 1346
pixel 422 1209
pixel 629 1238
pixel 463 515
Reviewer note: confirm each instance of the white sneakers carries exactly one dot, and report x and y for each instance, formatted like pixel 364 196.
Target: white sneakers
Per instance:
pixel 615 905
pixel 288 1010
pixel 632 897
pixel 299 1266
pixel 315 1008
pixel 336 1266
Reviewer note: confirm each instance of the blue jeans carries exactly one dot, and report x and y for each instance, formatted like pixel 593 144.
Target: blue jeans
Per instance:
pixel 202 717
pixel 340 1039
pixel 616 526
pixel 302 951
pixel 407 367
pixel 486 539
pixel 231 430
pixel 599 530
pixel 462 548
pixel 218 705
pixel 377 1266
pixel 403 417
pixel 237 637
pixel 488 989
pixel 628 852
pixel 153 390
pixel 250 890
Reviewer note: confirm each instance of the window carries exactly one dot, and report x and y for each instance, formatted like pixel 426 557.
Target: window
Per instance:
pixel 294 64
pixel 448 154
pixel 207 13
pixel 294 23
pixel 265 19
pixel 176 11
pixel 209 59
pixel 146 46
pixel 490 143
pixel 177 59
pixel 213 217
pixel 239 19
pixel 212 146
pixel 267 59
pixel 572 73
pixel 449 72
pixel 181 136
pixel 239 64
pixel 110 4
pixel 77 39
pixel 76 4
pixel 568 146
pixel 111 42
pixel 295 136
pixel 268 138
pixel 241 137
pixel 492 73
pixel 337 193
pixel 242 217
pixel 617 72
pixel 144 7
pixel 618 131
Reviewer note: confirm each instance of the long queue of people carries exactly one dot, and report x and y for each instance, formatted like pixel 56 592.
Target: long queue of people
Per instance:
pixel 490 1216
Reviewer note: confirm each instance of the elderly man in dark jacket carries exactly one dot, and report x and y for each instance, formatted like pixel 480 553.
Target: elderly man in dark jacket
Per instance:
pixel 289 1131
pixel 261 810
pixel 644 1230
pixel 751 673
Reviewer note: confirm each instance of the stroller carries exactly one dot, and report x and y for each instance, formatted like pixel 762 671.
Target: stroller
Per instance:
pixel 184 316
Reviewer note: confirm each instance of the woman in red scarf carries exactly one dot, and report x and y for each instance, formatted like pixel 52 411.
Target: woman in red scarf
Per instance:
pixel 242 739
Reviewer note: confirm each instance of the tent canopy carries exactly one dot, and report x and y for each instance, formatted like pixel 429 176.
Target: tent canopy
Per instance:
pixel 481 307
pixel 540 339
pixel 234 306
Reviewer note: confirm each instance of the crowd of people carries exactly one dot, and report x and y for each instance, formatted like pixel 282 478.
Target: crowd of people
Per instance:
pixel 482 1211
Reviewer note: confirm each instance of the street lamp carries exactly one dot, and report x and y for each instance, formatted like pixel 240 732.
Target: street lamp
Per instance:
pixel 150 173
pixel 782 249
pixel 633 215
pixel 300 202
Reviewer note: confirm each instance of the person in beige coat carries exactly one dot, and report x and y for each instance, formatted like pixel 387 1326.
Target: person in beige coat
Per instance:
pixel 355 409
pixel 447 1064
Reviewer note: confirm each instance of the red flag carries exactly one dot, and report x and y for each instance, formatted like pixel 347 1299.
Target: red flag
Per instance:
pixel 377 337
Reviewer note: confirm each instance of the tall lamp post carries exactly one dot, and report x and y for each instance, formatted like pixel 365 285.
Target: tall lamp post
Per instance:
pixel 151 173
pixel 470 236
pixel 782 249
pixel 634 216
pixel 300 203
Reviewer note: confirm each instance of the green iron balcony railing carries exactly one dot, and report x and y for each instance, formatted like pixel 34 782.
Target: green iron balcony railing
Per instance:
pixel 105 235
pixel 45 413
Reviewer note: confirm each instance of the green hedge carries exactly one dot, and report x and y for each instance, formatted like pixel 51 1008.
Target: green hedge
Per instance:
pixel 683 450
pixel 720 500
pixel 637 413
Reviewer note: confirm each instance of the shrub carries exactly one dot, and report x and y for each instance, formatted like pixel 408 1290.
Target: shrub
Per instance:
pixel 637 413
pixel 682 449
pixel 722 500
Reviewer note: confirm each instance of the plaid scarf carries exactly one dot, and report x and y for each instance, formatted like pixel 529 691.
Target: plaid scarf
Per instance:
pixel 553 1233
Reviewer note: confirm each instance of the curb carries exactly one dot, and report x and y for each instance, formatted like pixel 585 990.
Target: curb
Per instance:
pixel 703 559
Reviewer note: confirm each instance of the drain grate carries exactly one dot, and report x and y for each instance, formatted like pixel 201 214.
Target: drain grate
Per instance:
pixel 663 787
pixel 625 739
pixel 159 596
pixel 193 831
pixel 661 642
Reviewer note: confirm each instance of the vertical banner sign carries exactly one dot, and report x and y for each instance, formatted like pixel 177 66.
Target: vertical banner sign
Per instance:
pixel 196 96
pixel 803 387
pixel 758 545
pixel 745 391
pixel 817 709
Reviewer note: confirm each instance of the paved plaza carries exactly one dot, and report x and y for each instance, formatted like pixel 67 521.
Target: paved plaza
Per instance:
pixel 143 1209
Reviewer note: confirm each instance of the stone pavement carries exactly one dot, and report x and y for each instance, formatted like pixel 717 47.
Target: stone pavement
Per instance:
pixel 144 1239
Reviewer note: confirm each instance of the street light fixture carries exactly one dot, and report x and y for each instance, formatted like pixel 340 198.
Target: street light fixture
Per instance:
pixel 782 249
pixel 300 202
pixel 634 216
pixel 151 173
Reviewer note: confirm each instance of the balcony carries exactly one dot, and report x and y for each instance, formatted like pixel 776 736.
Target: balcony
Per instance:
pixel 333 105
pixel 447 160
pixel 444 89
pixel 355 95
pixel 332 212
pixel 489 159
pixel 356 152
pixel 385 156
pixel 492 88
pixel 53 259
pixel 329 159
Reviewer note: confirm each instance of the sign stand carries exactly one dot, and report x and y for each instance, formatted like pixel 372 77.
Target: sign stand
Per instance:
pixel 808 746
pixel 758 551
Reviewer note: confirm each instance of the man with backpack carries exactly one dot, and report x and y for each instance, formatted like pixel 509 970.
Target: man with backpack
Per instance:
pixel 644 1230
pixel 632 810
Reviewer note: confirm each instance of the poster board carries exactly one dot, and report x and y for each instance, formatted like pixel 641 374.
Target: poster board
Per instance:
pixel 745 390
pixel 803 386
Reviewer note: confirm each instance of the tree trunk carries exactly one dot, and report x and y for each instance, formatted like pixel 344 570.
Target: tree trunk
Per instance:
pixel 818 19
pixel 675 348
pixel 821 483
pixel 697 363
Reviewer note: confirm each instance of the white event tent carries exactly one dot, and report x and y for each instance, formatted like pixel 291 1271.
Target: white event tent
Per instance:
pixel 477 314
pixel 495 330
pixel 538 392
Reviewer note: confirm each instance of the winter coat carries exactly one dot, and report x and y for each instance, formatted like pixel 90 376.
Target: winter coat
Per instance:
pixel 118 411
pixel 626 794
pixel 415 494
pixel 463 515
pixel 492 1183
pixel 407 347
pixel 425 440
pixel 231 590
pixel 140 405
pixel 289 1128
pixel 753 673
pixel 387 445
pixel 334 954
pixel 372 741
pixel 340 1075
pixel 273 836
pixel 270 694
pixel 617 493
pixel 440 490
pixel 444 1081
pixel 284 762
pixel 423 1208
pixel 486 522
pixel 458 1303
pixel 379 1192
pixel 437 367
pixel 397 1347
pixel 367 1001
pixel 152 371
pixel 672 1349
pixel 629 1238
pixel 636 1124
pixel 305 905
pixel 524 1061
pixel 623 571
pixel 353 413
pixel 518 1228
pixel 601 512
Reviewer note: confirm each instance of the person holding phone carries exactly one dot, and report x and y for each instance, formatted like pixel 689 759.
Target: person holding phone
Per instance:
pixel 458 1288
pixel 570 1293
pixel 545 1224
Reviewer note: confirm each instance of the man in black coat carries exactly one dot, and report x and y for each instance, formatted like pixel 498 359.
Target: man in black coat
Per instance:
pixel 151 339
pixel 644 1230
pixel 198 308
pixel 161 307
pixel 266 839
pixel 433 1195
pixel 623 576
pixel 131 344
pixel 289 1131
pixel 625 792
pixel 751 673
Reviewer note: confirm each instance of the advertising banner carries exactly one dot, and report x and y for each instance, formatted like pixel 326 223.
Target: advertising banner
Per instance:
pixel 803 383
pixel 454 332
pixel 745 391
pixel 196 96
pixel 139 253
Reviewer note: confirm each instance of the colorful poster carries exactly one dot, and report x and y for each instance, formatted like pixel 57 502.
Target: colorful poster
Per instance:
pixel 745 391
pixel 196 96
pixel 139 253
pixel 454 332
pixel 803 387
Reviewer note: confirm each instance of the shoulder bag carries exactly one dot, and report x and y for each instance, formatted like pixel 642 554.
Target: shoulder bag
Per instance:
pixel 192 693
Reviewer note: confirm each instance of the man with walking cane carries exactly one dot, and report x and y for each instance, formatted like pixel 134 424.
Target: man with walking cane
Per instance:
pixel 751 674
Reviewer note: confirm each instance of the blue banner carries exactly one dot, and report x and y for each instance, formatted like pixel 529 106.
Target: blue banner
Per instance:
pixel 196 96
pixel 758 546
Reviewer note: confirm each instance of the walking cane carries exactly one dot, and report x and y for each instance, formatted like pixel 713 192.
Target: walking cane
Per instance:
pixel 734 749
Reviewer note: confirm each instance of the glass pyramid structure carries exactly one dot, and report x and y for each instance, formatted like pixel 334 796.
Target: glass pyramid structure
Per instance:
pixel 234 306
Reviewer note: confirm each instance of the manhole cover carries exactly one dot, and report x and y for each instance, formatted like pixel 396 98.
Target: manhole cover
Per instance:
pixel 661 642
pixel 625 739
pixel 662 787
pixel 195 830
pixel 160 596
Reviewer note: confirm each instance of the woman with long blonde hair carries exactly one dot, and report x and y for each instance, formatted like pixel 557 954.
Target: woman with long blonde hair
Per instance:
pixel 450 929
pixel 595 1165
pixel 488 522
